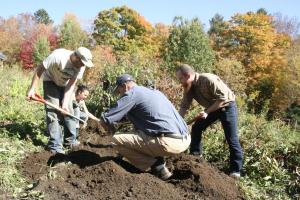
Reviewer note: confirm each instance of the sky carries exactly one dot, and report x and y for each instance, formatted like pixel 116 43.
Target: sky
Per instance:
pixel 154 11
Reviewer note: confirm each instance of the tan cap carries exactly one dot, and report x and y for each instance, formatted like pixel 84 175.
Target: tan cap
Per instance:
pixel 85 55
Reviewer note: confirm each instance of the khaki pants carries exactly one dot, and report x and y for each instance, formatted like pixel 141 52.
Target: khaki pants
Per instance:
pixel 141 150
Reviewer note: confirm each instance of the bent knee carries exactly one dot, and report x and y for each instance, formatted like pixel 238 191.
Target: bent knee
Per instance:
pixel 116 141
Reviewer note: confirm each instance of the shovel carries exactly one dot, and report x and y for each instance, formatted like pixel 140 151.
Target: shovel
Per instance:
pixel 40 99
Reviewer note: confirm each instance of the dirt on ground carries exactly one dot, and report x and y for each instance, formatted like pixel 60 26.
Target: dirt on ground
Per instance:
pixel 96 171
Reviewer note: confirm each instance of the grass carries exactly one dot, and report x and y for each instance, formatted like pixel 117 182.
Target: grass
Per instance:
pixel 21 128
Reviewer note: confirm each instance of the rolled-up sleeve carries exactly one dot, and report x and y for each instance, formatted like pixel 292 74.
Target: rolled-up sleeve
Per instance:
pixel 119 110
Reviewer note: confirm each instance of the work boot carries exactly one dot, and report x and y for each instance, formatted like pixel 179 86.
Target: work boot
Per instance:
pixel 160 170
pixel 196 154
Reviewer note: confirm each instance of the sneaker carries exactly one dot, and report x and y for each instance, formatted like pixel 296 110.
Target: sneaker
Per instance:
pixel 235 175
pixel 73 146
pixel 160 170
pixel 57 151
pixel 164 173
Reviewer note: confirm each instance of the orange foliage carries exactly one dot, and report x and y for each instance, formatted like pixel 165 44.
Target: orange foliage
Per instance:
pixel 251 39
pixel 10 29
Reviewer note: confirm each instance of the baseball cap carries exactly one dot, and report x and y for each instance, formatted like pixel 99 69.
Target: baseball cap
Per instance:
pixel 85 55
pixel 123 79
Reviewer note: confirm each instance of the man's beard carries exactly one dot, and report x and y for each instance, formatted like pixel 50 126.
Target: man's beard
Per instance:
pixel 187 87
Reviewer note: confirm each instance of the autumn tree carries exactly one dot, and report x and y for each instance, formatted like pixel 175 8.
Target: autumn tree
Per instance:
pixel 71 36
pixel 160 36
pixel 12 33
pixel 38 45
pixel 233 74
pixel 9 28
pixel 121 27
pixel 252 39
pixel 41 16
pixel 188 43
pixel 288 91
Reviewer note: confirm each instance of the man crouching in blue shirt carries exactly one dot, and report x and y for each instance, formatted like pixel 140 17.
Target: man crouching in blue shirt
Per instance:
pixel 160 130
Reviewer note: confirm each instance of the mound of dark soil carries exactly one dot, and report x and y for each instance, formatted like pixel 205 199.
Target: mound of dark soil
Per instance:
pixel 96 172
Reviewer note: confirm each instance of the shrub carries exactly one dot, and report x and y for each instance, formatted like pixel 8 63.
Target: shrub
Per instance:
pixel 271 156
pixel 188 43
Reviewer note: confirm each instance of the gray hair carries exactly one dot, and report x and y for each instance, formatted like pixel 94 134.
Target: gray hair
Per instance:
pixel 185 69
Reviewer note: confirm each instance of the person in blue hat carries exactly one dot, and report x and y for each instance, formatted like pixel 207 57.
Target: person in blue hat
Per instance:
pixel 159 129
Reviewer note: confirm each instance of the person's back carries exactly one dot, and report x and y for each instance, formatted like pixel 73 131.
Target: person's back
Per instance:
pixel 161 131
pixel 153 113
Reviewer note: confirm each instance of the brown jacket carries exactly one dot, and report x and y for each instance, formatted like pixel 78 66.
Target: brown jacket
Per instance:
pixel 206 89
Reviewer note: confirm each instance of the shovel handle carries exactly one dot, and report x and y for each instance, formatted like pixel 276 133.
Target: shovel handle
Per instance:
pixel 194 120
pixel 40 99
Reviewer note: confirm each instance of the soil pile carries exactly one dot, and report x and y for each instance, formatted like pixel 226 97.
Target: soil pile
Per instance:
pixel 95 171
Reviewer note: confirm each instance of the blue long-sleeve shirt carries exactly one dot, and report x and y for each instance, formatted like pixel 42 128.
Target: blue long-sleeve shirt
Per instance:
pixel 149 110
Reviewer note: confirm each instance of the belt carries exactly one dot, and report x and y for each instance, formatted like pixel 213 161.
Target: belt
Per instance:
pixel 173 135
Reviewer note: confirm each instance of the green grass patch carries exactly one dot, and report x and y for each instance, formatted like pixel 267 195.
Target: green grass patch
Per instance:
pixel 21 128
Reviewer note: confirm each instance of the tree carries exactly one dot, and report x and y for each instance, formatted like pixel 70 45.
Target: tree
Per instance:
pixel 120 27
pixel 217 26
pixel 41 50
pixel 36 45
pixel 41 16
pixel 188 43
pixel 10 47
pixel 252 39
pixel 26 54
pixel 71 36
pixel 160 36
pixel 234 74
pixel 262 11
pixel 288 90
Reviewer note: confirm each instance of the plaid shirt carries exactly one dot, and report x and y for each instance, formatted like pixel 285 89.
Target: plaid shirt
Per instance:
pixel 206 89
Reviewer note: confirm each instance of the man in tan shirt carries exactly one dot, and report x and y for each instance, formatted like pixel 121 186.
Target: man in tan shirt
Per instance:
pixel 219 104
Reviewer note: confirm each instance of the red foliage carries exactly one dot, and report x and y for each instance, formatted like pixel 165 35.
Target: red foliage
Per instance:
pixel 52 38
pixel 26 54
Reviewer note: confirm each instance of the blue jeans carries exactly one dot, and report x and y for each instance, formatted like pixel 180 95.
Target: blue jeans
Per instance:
pixel 56 121
pixel 228 118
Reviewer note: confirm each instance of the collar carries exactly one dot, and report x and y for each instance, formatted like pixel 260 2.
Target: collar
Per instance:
pixel 195 79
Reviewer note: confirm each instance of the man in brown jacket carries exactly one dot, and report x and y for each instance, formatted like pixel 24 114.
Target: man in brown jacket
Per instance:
pixel 219 104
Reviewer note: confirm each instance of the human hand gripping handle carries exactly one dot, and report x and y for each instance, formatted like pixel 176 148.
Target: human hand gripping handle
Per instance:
pixel 30 94
pixel 40 99
pixel 202 115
